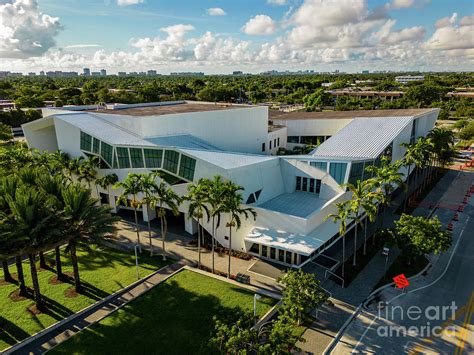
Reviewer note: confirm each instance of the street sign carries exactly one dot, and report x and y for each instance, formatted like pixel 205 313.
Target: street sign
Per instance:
pixel 401 281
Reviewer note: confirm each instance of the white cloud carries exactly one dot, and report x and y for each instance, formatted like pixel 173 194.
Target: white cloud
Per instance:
pixel 453 36
pixel 80 46
pixel 277 2
pixel 129 2
pixel 447 21
pixel 25 31
pixel 386 36
pixel 216 11
pixel 260 25
pixel 405 4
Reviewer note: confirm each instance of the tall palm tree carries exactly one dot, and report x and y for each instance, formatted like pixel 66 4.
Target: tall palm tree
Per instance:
pixel 198 200
pixel 106 181
pixel 342 214
pixel 132 186
pixel 59 162
pixel 74 166
pixel 232 207
pixel 411 158
pixel 88 170
pixel 83 222
pixel 215 192
pixel 443 141
pixel 162 196
pixel 31 218
pixel 386 178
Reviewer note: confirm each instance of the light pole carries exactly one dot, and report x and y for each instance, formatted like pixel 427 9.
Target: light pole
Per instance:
pixel 136 260
pixel 386 260
pixel 256 297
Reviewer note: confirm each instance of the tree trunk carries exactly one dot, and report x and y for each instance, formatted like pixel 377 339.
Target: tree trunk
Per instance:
pixel 354 261
pixel 343 254
pixel 377 218
pixel 6 272
pixel 164 230
pixel 365 233
pixel 149 237
pixel 213 242
pixel 75 266
pixel 137 229
pixel 21 276
pixel 59 269
pixel 34 278
pixel 407 194
pixel 230 249
pixel 199 243
pixel 42 260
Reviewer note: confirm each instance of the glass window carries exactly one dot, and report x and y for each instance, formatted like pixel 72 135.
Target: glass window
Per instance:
pixel 255 248
pixel 186 167
pixel 270 145
pixel 293 139
pixel 171 161
pixel 136 154
pixel 311 185
pixel 257 194
pixel 298 183
pixel 123 158
pixel 251 199
pixel 264 250
pixel 305 184
pixel 288 257
pixel 318 186
pixel 368 175
pixel 272 253
pixel 86 142
pixel 338 171
pixel 278 141
pixel 320 165
pixel 281 255
pixel 153 158
pixel 263 147
pixel 106 152
pixel 95 145
pixel 275 142
pixel 357 170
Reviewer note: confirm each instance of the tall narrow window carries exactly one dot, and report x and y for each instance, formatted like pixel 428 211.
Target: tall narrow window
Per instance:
pixel 338 171
pixel 170 162
pixel 278 141
pixel 86 142
pixel 123 158
pixel 95 145
pixel 270 145
pixel 298 183
pixel 311 185
pixel 136 155
pixel 153 158
pixel 318 186
pixel 263 146
pixel 106 152
pixel 186 167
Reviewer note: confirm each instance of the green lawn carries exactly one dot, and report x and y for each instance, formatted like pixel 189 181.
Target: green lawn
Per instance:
pixel 103 272
pixel 173 318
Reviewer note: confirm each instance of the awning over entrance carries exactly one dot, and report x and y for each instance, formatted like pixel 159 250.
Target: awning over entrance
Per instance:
pixel 297 243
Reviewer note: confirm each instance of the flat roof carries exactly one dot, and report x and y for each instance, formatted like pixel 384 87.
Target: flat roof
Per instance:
pixel 168 109
pixel 299 204
pixel 301 115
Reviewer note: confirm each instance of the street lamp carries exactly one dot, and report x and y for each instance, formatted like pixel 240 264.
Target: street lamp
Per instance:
pixel 385 252
pixel 136 260
pixel 256 297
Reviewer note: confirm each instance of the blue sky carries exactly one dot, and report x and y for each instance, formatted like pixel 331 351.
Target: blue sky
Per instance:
pixel 299 34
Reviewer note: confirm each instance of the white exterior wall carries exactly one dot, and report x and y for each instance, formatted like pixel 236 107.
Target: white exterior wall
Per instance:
pixel 41 135
pixel 279 135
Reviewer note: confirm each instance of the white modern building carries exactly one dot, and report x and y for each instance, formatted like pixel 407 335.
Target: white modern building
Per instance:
pixel 404 79
pixel 186 141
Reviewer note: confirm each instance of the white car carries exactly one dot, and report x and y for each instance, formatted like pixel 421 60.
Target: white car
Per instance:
pixel 385 251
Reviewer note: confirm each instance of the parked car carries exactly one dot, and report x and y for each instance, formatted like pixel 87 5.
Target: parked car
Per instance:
pixel 385 251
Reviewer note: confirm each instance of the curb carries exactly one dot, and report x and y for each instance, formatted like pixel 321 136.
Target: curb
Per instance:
pixel 56 325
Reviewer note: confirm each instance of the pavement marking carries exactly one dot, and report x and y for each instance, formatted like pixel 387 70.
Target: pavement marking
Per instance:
pixel 363 336
pixel 444 271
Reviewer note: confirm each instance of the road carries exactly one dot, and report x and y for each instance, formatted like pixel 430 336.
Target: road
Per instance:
pixel 433 315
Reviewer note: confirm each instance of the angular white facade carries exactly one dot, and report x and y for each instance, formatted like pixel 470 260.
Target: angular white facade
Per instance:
pixel 188 141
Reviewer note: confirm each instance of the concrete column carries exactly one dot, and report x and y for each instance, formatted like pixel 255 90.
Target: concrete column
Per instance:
pixel 112 203
pixel 149 214
pixel 190 224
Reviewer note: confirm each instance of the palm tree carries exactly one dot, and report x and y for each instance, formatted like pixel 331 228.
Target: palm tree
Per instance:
pixel 411 158
pixel 159 196
pixel 386 178
pixel 83 223
pixel 132 186
pixel 341 216
pixel 198 199
pixel 74 166
pixel 232 206
pixel 215 191
pixel 88 170
pixel 59 162
pixel 31 218
pixel 106 181
pixel 443 141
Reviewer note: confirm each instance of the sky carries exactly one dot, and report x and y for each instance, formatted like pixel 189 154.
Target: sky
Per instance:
pixel 221 36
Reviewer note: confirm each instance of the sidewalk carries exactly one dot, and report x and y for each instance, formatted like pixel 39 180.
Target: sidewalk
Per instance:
pixel 50 337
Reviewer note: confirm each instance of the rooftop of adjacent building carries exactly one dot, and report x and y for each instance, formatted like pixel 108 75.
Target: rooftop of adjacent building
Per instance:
pixel 302 115
pixel 164 108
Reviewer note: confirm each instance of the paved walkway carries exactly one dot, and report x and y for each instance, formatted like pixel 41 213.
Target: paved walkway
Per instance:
pixel 51 337
pixel 179 247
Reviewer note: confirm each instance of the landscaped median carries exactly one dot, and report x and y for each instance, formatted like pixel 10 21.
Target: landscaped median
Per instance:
pixel 103 272
pixel 175 317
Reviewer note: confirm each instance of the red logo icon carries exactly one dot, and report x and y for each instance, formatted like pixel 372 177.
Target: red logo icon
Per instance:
pixel 401 281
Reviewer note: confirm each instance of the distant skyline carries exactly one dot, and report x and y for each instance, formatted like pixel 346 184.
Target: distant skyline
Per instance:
pixel 218 37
